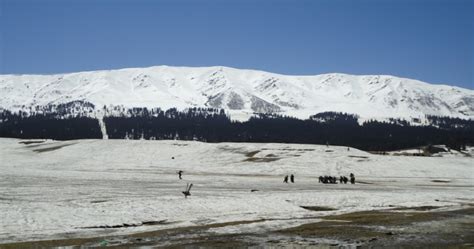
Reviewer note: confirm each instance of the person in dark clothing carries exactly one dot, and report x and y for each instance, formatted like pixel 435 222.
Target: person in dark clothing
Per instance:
pixel 286 179
pixel 180 173
pixel 344 178
pixel 341 179
pixel 353 179
pixel 292 178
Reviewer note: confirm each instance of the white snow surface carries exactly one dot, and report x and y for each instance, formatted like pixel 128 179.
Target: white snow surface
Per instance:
pixel 54 189
pixel 241 92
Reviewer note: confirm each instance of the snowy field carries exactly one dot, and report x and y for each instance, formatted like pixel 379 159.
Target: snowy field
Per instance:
pixel 53 190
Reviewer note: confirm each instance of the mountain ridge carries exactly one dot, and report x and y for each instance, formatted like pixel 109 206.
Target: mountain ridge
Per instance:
pixel 226 67
pixel 241 92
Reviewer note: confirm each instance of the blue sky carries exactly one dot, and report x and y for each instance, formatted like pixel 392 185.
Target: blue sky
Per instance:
pixel 429 40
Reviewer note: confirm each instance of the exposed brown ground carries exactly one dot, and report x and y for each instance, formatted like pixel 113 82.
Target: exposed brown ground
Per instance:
pixel 398 229
pixel 421 227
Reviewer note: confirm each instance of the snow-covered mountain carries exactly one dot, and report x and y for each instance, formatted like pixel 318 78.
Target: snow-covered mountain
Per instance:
pixel 240 92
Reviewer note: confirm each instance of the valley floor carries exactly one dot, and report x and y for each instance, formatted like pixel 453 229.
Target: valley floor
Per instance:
pixel 124 190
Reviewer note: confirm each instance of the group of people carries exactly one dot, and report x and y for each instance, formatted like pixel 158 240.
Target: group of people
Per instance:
pixel 333 179
pixel 292 179
pixel 322 179
pixel 325 179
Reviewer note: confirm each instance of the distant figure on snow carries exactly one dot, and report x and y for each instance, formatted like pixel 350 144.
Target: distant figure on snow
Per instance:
pixel 344 178
pixel 341 179
pixel 187 191
pixel 353 179
pixel 180 173
pixel 292 178
pixel 286 179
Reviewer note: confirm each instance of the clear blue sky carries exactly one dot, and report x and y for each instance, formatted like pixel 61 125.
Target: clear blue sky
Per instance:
pixel 429 40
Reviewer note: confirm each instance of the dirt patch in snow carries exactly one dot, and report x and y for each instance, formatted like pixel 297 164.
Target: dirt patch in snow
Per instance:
pixel 261 159
pixel 252 153
pixel 98 201
pixel 31 142
pixel 318 208
pixel 124 225
pixel 364 157
pixel 420 208
pixel 271 155
pixel 52 148
pixel 441 181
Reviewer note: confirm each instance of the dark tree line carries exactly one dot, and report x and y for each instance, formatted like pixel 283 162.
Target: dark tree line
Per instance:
pixel 213 125
pixel 19 125
pixel 448 123
pixel 194 124
pixel 324 128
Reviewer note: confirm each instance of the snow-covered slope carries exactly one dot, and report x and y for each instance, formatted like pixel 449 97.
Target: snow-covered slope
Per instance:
pixel 241 92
